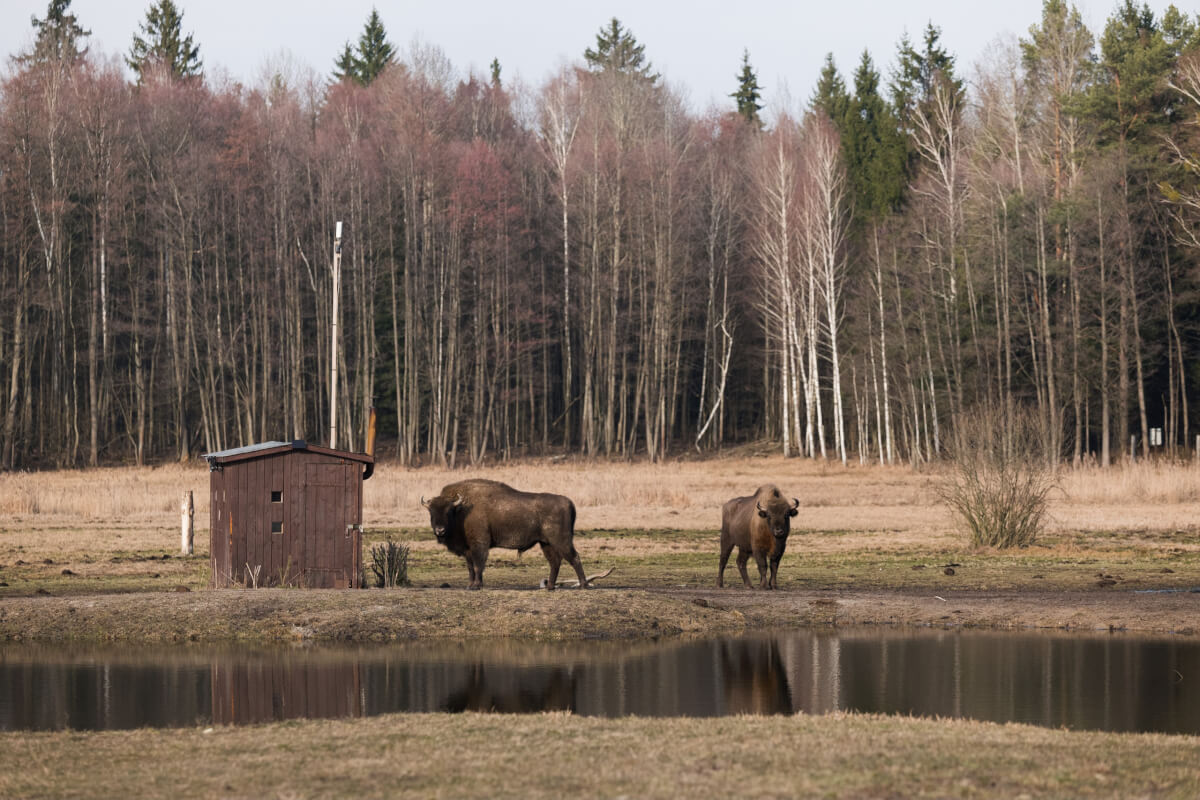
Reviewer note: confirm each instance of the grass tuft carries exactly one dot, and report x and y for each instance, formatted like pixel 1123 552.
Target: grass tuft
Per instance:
pixel 389 562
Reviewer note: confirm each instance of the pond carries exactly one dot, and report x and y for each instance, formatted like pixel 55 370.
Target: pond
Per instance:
pixel 1108 682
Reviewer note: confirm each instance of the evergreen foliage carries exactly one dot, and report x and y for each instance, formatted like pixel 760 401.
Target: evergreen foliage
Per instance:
pixel 344 65
pixel 162 42
pixel 617 50
pixel 748 93
pixel 373 54
pixel 494 67
pixel 873 147
pixel 918 74
pixel 1130 93
pixel 58 35
pixel 830 95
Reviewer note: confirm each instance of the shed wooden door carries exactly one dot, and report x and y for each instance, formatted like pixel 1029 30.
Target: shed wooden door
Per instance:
pixel 332 527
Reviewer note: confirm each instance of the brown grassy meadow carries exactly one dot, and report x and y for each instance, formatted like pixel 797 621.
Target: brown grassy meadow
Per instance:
pixel 119 509
pixel 862 529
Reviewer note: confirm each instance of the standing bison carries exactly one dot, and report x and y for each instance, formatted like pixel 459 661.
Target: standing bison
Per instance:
pixel 471 517
pixel 757 525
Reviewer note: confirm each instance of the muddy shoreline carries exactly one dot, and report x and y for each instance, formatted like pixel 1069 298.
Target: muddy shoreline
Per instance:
pixel 272 615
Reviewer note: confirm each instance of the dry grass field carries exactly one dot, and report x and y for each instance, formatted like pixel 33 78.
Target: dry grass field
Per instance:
pixel 861 529
pixel 138 508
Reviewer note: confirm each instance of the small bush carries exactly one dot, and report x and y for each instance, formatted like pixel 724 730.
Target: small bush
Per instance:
pixel 389 562
pixel 999 480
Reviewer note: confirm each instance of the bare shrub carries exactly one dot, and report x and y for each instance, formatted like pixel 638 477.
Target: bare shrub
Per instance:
pixel 389 562
pixel 999 478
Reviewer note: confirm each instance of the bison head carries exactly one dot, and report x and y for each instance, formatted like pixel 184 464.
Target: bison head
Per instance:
pixel 441 511
pixel 778 513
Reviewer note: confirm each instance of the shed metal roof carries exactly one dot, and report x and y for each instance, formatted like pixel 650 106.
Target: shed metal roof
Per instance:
pixel 271 448
pixel 252 448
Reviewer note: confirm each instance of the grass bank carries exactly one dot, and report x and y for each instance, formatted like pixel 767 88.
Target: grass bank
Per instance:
pixel 557 755
pixel 268 615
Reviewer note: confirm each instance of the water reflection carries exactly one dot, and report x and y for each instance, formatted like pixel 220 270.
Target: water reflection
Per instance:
pixel 1112 683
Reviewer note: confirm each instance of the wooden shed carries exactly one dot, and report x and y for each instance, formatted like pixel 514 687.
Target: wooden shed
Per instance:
pixel 287 513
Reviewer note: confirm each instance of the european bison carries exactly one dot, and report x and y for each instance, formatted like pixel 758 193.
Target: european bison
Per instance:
pixel 471 517
pixel 757 525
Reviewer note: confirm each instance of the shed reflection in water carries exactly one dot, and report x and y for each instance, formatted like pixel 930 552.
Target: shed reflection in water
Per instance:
pixel 1099 682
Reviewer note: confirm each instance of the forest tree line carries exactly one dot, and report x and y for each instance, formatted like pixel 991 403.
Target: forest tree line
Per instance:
pixel 590 265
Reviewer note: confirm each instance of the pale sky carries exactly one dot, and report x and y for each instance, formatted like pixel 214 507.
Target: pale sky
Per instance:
pixel 697 45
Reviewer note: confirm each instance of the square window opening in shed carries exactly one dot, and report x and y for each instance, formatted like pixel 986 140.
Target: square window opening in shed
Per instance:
pixel 276 496
pixel 277 526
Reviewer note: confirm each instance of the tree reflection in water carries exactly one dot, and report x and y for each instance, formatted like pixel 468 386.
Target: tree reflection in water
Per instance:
pixel 1113 682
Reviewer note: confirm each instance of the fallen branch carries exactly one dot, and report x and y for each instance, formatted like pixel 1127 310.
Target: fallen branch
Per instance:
pixel 575 583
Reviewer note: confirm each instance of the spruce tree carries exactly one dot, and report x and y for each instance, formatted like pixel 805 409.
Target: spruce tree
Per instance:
pixel 918 73
pixel 618 51
pixel 748 93
pixel 162 42
pixel 495 68
pixel 58 35
pixel 919 76
pixel 830 95
pixel 344 65
pixel 874 147
pixel 373 54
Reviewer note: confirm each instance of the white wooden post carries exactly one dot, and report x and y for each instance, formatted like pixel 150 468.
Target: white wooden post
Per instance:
pixel 187 513
pixel 333 348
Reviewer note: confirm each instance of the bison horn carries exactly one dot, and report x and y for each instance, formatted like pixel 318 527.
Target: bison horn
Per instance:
pixel 758 505
pixel 458 499
pixel 795 502
pixel 424 502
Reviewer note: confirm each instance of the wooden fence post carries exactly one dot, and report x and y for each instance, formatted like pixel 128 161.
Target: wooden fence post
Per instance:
pixel 187 513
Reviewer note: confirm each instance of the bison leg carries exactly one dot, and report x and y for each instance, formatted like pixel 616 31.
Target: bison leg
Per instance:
pixel 726 549
pixel 573 559
pixel 555 560
pixel 479 556
pixel 743 557
pixel 774 584
pixel 761 560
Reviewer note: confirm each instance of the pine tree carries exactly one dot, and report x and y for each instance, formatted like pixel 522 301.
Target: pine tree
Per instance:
pixel 161 42
pixel 58 35
pixel 1180 33
pixel 748 93
pixel 1135 60
pixel 374 53
pixel 495 68
pixel 618 51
